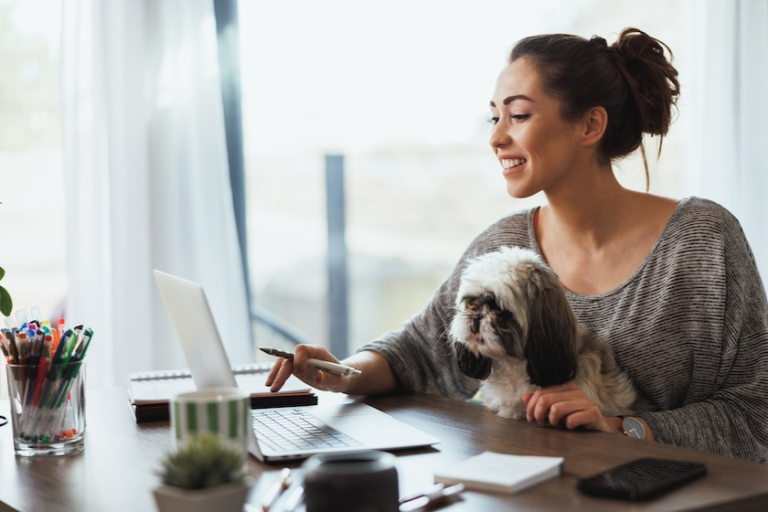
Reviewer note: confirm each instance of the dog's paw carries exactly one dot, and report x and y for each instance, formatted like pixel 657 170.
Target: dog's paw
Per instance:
pixel 511 413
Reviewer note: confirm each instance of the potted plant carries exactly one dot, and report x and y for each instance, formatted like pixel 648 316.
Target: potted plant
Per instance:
pixel 6 304
pixel 202 476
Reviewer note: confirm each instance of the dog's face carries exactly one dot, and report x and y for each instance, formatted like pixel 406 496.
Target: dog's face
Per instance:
pixel 486 328
pixel 510 304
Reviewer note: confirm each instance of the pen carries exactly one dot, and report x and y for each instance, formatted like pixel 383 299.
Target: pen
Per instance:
pixel 280 485
pixel 294 499
pixel 327 366
pixel 432 498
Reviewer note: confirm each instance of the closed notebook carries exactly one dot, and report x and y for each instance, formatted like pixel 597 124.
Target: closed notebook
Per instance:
pixel 498 472
pixel 150 392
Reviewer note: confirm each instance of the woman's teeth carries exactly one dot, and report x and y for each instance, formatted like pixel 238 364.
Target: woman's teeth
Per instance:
pixel 508 164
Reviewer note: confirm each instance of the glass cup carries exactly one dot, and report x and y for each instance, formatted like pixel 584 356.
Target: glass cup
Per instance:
pixel 47 408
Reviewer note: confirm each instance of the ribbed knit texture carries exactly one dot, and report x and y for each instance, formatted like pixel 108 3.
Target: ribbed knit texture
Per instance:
pixel 690 327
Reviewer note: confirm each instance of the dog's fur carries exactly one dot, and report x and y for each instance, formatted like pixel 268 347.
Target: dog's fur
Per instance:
pixel 515 330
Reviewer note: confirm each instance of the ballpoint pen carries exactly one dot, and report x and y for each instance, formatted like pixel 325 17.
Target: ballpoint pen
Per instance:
pixel 433 497
pixel 326 366
pixel 294 499
pixel 280 485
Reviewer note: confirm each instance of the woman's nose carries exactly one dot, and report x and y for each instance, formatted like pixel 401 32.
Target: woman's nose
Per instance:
pixel 499 136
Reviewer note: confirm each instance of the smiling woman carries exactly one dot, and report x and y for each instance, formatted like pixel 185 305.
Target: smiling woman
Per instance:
pixel 533 142
pixel 392 87
pixel 671 285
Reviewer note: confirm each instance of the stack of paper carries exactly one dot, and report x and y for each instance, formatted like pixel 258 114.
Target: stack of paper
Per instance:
pixel 497 472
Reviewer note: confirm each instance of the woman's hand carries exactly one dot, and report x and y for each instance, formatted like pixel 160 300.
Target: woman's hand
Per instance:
pixel 567 405
pixel 284 368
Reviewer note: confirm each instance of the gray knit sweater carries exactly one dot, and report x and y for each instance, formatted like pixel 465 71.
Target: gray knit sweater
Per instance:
pixel 690 327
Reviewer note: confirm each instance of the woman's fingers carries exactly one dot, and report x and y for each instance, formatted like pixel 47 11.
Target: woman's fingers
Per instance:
pixel 281 370
pixel 284 368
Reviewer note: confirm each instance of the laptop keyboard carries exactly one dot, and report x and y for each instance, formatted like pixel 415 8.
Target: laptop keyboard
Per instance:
pixel 293 429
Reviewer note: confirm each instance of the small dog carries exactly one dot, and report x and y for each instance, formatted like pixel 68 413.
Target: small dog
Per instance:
pixel 515 330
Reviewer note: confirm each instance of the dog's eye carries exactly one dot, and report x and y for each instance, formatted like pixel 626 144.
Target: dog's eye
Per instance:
pixel 471 303
pixel 490 301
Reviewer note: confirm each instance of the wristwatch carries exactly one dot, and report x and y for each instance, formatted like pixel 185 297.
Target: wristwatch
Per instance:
pixel 633 427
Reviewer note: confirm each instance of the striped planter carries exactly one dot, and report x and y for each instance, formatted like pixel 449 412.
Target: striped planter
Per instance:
pixel 225 412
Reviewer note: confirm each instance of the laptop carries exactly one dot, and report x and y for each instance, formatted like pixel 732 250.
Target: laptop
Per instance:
pixel 284 433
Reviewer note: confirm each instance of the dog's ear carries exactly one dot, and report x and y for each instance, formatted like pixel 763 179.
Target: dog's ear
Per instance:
pixel 550 348
pixel 471 365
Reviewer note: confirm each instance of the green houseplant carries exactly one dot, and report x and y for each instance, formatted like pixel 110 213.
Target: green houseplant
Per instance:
pixel 6 304
pixel 203 475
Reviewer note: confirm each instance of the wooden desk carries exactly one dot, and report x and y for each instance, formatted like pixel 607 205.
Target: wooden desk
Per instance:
pixel 116 471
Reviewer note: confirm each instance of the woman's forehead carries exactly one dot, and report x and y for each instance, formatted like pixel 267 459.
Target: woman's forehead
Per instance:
pixel 519 78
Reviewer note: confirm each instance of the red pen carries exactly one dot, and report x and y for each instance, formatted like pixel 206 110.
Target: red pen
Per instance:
pixel 43 367
pixel 40 378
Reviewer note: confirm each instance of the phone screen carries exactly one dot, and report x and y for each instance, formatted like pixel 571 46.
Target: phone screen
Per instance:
pixel 641 479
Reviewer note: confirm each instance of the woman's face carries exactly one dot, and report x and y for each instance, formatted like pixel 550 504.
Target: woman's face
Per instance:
pixel 534 145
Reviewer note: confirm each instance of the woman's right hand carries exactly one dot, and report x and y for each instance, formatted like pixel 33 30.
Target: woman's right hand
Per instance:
pixel 284 368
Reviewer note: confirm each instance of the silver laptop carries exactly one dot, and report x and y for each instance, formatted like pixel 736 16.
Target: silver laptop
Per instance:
pixel 279 433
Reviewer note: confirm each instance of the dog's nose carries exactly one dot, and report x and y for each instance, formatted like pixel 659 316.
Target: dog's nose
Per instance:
pixel 476 323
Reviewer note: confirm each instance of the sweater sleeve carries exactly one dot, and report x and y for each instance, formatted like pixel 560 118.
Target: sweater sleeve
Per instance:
pixel 732 420
pixel 421 354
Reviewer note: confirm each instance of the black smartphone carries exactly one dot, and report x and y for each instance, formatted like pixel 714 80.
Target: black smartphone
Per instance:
pixel 641 479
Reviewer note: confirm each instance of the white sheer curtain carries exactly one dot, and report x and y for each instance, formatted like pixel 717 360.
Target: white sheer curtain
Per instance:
pixel 147 179
pixel 730 92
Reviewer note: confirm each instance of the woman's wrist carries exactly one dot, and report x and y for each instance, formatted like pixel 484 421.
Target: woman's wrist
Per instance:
pixel 377 376
pixel 616 425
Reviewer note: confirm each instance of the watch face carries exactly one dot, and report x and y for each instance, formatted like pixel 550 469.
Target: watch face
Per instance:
pixel 633 427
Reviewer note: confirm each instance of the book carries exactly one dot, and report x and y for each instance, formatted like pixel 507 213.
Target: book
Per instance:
pixel 498 472
pixel 150 393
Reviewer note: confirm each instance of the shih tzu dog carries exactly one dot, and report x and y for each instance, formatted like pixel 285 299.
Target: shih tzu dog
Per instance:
pixel 515 330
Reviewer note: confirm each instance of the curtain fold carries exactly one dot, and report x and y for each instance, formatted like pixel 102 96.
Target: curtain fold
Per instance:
pixel 147 179
pixel 730 105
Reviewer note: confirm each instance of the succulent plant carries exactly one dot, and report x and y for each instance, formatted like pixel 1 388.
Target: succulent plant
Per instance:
pixel 203 462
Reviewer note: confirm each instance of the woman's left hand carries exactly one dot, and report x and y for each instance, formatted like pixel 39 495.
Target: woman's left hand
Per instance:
pixel 567 405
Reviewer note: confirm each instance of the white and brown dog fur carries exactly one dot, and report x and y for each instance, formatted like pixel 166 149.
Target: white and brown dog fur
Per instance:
pixel 515 330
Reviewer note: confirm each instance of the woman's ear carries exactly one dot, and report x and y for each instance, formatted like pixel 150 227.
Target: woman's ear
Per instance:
pixel 477 367
pixel 595 122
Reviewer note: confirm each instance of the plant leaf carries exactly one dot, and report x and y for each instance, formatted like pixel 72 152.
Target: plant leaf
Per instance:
pixel 2 272
pixel 6 304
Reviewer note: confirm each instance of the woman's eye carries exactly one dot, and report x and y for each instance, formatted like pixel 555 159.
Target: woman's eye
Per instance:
pixel 520 117
pixel 493 120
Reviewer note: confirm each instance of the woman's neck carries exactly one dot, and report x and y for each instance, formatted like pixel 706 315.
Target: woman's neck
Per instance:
pixel 589 210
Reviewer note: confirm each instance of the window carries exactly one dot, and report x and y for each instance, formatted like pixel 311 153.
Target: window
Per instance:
pixel 400 89
pixel 32 216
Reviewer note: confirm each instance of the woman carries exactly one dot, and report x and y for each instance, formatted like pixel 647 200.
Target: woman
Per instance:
pixel 672 285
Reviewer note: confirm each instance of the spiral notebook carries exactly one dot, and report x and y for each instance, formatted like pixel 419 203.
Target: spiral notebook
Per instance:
pixel 150 392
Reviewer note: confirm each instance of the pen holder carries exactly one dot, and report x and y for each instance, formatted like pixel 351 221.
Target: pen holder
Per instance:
pixel 353 482
pixel 47 408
